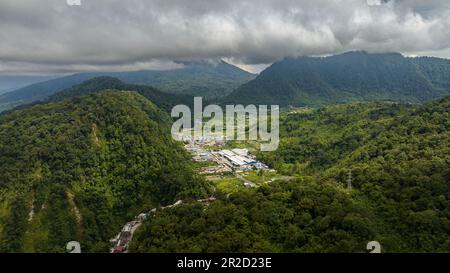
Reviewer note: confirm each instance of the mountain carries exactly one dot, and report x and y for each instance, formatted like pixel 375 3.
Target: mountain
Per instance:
pixel 163 100
pixel 436 70
pixel 202 78
pixel 11 82
pixel 395 157
pixel 281 217
pixel 79 168
pixel 352 76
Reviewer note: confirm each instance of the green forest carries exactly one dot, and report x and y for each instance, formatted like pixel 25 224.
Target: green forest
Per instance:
pixel 80 168
pixel 396 155
pixel 225 135
pixel 348 77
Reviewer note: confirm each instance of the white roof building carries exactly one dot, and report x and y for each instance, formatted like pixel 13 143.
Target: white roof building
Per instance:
pixel 241 152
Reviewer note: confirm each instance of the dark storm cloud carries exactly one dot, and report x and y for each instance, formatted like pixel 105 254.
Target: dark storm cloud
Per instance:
pixel 116 34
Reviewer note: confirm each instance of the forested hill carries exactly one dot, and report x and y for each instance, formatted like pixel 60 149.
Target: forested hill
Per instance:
pixel 163 100
pixel 365 171
pixel 80 168
pixel 352 76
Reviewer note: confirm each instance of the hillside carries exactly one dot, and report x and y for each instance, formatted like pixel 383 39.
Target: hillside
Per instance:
pixel 78 169
pixel 396 157
pixel 206 79
pixel 399 159
pixel 353 76
pixel 163 100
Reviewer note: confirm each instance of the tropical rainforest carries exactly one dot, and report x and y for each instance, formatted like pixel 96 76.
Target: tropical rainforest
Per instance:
pixel 365 171
pixel 369 161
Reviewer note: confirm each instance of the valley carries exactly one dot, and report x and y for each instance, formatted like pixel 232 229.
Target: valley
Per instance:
pixel 316 210
pixel 82 163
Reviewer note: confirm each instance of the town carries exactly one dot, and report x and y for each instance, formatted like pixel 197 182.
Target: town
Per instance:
pixel 234 160
pixel 225 164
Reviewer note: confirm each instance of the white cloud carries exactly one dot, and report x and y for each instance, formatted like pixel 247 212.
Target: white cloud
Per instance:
pixel 110 34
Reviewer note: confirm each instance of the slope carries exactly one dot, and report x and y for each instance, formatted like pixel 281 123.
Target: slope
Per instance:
pixel 77 169
pixel 395 157
pixel 163 100
pixel 353 76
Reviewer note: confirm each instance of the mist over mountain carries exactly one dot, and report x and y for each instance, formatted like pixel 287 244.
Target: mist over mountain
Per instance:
pixel 164 101
pixel 363 171
pixel 202 78
pixel 352 76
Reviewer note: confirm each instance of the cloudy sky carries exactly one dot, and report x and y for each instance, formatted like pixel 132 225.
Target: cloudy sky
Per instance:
pixel 49 36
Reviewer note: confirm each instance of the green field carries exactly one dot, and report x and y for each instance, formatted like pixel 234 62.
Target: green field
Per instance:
pixel 228 184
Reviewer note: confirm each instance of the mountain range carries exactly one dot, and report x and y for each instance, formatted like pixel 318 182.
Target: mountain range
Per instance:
pixel 303 81
pixel 77 169
pixel 352 76
pixel 10 83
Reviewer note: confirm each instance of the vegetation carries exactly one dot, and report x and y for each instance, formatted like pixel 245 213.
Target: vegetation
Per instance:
pixel 261 176
pixel 349 77
pixel 396 158
pixel 201 78
pixel 227 184
pixel 209 80
pixel 300 216
pixel 163 100
pixel 79 169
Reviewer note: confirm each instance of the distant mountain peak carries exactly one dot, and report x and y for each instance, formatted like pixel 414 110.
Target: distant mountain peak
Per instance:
pixel 350 76
pixel 206 78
